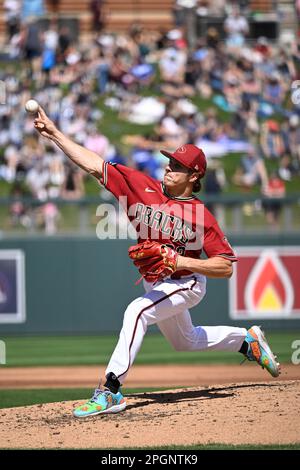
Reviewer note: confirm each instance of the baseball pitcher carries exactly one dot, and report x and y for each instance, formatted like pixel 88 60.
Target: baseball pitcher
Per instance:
pixel 174 229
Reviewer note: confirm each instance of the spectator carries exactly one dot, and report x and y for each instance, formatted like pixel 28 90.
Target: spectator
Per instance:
pixel 64 42
pixel 185 16
pixel 209 125
pixel 9 169
pixel 236 28
pixel 263 47
pixel 32 9
pixel 286 168
pixel 214 183
pixel 102 66
pixel 96 9
pixel 171 132
pixel 293 139
pixel 50 45
pixel 178 13
pixel 51 36
pixel 96 142
pixel 172 65
pixel 12 10
pixel 37 180
pixel 271 140
pixel 245 123
pixel 285 63
pixel 139 37
pixel 215 179
pixel 297 8
pixel 252 171
pixel 275 189
pixel 47 217
pixel 144 161
pixel 273 91
pixel 73 187
pixel 251 87
pixel 32 47
pixel 232 92
pixel 119 68
pixel 212 37
pixel 143 75
pixel 19 213
pixel 56 173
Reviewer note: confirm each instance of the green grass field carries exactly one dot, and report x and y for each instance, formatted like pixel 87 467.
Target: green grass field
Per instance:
pixel 93 350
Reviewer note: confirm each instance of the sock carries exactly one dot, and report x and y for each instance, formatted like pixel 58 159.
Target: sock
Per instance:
pixel 112 382
pixel 244 348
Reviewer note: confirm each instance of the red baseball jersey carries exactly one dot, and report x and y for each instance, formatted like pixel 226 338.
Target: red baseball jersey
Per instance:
pixel 183 223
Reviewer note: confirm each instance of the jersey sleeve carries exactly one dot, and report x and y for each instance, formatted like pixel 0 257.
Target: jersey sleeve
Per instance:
pixel 216 244
pixel 121 180
pixel 117 179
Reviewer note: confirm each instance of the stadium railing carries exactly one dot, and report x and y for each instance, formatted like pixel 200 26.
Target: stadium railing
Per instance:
pixel 236 213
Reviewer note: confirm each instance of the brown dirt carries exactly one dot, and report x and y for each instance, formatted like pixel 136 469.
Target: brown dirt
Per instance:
pixel 247 407
pixel 245 413
pixel 140 376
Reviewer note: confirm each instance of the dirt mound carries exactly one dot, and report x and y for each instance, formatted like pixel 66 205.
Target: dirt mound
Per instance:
pixel 243 413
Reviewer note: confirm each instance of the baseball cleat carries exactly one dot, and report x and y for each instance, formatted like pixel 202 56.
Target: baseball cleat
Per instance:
pixel 102 402
pixel 259 351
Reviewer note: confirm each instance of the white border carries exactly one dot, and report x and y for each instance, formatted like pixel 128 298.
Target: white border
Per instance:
pixel 20 316
pixel 242 251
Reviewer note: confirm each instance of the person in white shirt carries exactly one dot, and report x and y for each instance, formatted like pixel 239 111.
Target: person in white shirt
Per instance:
pixel 12 13
pixel 236 27
pixel 185 15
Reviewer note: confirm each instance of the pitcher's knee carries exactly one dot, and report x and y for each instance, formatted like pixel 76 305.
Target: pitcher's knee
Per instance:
pixel 135 309
pixel 184 345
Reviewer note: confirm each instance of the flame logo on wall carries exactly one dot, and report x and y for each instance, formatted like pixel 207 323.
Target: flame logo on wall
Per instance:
pixel 269 289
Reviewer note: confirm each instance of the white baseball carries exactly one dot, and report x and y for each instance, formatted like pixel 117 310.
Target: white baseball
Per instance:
pixel 32 106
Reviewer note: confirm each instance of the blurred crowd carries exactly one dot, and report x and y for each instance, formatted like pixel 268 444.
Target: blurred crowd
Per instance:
pixel 226 95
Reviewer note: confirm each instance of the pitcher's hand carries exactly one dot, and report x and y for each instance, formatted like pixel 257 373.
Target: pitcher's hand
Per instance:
pixel 44 125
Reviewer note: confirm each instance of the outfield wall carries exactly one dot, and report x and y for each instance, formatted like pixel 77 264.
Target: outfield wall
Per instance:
pixel 82 285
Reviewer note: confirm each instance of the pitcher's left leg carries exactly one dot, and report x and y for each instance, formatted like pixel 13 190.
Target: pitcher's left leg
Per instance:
pixel 184 336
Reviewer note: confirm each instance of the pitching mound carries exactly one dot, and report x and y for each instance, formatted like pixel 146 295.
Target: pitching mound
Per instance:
pixel 244 413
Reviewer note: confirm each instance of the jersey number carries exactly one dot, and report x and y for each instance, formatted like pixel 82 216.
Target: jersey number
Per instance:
pixel 180 249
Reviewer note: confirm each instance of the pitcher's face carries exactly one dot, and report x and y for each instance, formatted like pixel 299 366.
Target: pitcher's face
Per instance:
pixel 177 175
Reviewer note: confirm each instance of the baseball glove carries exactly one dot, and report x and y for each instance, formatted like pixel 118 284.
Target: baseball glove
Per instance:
pixel 154 260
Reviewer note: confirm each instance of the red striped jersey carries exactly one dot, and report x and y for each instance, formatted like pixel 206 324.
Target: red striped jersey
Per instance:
pixel 183 223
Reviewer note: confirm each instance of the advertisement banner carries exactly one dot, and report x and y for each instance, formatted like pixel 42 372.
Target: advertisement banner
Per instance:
pixel 12 286
pixel 265 283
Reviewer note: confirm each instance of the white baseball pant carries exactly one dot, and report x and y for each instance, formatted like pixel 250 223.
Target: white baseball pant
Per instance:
pixel 167 305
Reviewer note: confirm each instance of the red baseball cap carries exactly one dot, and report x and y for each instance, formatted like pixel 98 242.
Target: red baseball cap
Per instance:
pixel 190 156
